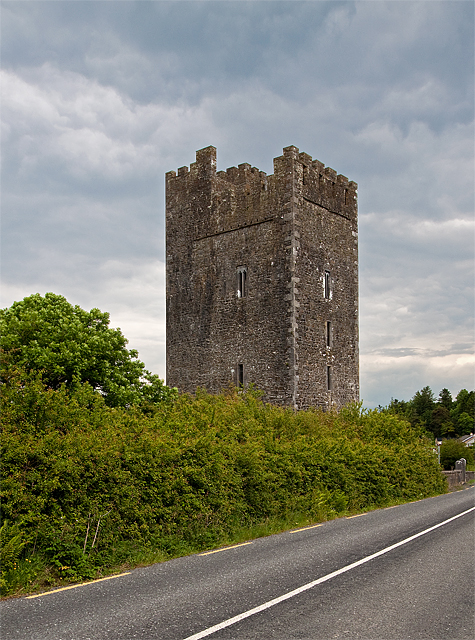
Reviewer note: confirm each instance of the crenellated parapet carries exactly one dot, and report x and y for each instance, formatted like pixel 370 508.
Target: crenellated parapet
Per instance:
pixel 205 167
pixel 318 184
pixel 222 200
pixel 244 195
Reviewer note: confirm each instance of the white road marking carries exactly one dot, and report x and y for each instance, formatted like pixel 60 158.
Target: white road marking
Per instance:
pixel 310 585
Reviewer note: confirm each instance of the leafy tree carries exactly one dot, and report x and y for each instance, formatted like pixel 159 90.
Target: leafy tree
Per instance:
pixel 465 402
pixel 447 430
pixel 421 407
pixel 465 423
pixel 453 450
pixel 423 402
pixel 70 345
pixel 444 417
pixel 445 399
pixel 440 421
pixel 400 407
pixel 463 411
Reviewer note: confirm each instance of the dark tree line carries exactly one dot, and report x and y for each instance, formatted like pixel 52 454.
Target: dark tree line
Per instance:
pixel 443 416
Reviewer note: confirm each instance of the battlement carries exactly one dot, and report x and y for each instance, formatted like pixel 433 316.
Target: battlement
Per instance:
pixel 205 166
pixel 306 161
pixel 244 195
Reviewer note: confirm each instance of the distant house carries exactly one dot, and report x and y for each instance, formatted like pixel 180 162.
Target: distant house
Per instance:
pixel 468 441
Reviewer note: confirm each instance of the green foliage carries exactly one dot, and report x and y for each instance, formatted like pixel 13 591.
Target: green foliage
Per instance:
pixel 445 399
pixel 11 544
pixel 465 422
pixel 423 403
pixel 445 417
pixel 453 450
pixel 441 422
pixel 17 571
pixel 70 345
pixel 463 412
pixel 87 486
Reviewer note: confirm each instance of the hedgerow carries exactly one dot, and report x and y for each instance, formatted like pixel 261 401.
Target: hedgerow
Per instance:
pixel 87 487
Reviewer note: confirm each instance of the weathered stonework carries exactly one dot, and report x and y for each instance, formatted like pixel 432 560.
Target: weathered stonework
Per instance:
pixel 262 280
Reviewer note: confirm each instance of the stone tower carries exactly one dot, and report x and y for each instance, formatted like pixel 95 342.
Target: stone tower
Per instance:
pixel 262 280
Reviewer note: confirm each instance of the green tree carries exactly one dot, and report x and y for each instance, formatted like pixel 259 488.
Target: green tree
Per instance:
pixel 447 430
pixel 465 424
pixel 451 451
pixel 441 422
pixel 465 402
pixel 70 345
pixel 399 407
pixel 463 412
pixel 445 399
pixel 423 404
pixel 445 417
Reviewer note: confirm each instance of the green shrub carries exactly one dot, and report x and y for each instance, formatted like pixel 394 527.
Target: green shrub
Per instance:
pixel 453 450
pixel 89 487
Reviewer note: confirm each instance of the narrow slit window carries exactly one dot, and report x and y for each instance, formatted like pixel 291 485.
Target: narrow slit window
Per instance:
pixel 329 378
pixel 242 282
pixel 326 285
pixel 240 375
pixel 329 334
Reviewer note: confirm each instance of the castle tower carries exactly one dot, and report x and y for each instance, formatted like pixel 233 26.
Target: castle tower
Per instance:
pixel 262 280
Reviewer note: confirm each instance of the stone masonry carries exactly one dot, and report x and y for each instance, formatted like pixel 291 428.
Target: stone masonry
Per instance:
pixel 262 280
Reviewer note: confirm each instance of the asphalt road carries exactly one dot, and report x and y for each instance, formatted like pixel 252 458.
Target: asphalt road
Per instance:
pixel 394 574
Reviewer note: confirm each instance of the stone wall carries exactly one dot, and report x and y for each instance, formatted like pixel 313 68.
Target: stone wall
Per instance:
pixel 454 478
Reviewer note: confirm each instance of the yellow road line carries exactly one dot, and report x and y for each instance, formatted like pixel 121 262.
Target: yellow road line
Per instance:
pixel 314 526
pixel 74 586
pixel 357 516
pixel 207 553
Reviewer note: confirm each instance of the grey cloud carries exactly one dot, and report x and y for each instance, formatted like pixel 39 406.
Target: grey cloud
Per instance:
pixel 206 40
pixel 301 46
pixel 378 387
pixel 403 352
pixel 109 96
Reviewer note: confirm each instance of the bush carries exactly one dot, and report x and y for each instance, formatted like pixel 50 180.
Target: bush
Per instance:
pixel 88 487
pixel 453 450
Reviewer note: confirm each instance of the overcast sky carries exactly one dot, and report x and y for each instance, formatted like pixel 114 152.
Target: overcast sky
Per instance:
pixel 100 99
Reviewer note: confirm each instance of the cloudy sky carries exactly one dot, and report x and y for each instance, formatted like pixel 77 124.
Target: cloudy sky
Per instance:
pixel 100 99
